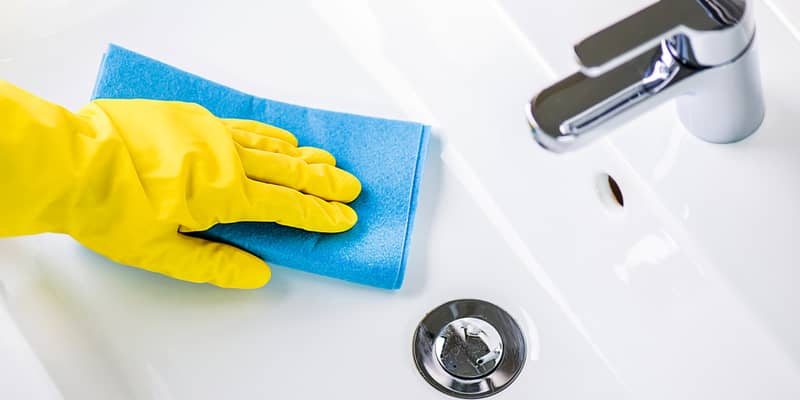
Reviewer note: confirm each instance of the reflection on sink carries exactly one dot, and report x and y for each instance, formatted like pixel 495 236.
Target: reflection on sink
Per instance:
pixel 651 250
pixel 685 293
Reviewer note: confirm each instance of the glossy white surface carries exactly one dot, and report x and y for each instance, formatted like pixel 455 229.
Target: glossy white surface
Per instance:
pixel 687 293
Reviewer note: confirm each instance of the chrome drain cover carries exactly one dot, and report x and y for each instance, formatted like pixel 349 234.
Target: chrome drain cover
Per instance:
pixel 469 349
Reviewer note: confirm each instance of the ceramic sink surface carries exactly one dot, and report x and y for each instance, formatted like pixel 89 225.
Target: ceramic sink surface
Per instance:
pixel 686 292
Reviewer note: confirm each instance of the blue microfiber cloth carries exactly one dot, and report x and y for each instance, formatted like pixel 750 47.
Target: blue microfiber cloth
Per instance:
pixel 386 155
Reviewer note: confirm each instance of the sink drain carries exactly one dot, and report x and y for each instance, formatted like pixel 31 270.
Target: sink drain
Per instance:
pixel 469 349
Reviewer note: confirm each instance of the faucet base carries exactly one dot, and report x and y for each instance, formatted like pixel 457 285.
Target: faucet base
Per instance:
pixel 727 105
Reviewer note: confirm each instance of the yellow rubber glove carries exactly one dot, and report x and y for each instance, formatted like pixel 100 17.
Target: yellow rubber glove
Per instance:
pixel 123 177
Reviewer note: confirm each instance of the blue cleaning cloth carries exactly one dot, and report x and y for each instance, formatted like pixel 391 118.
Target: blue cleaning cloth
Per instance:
pixel 386 155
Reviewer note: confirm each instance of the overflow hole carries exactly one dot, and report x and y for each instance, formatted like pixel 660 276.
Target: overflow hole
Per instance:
pixel 610 193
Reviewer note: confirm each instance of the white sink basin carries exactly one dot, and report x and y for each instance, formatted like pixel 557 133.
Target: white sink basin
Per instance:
pixel 686 292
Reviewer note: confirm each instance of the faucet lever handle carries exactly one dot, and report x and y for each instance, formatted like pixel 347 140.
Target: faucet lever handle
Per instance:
pixel 704 24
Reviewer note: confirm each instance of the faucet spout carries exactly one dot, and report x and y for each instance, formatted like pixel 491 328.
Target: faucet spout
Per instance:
pixel 580 108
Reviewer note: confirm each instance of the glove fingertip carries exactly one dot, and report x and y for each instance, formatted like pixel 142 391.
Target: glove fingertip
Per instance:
pixel 344 218
pixel 245 271
pixel 313 155
pixel 350 187
pixel 254 280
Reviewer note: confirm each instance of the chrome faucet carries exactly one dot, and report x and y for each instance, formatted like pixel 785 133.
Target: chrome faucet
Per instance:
pixel 701 52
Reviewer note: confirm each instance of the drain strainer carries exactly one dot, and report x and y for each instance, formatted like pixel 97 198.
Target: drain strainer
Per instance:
pixel 469 349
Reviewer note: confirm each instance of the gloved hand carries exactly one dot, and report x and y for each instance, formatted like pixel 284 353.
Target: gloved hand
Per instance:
pixel 125 177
